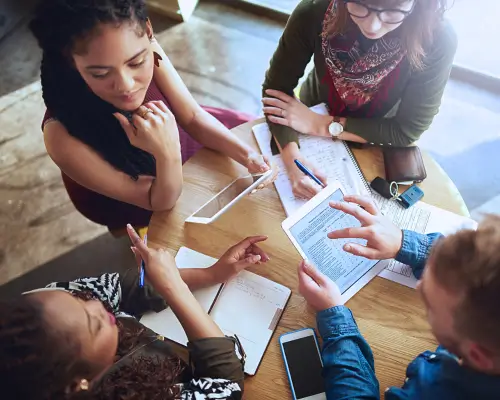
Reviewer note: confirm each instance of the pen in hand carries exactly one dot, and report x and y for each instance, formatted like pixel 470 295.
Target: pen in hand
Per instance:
pixel 141 270
pixel 307 172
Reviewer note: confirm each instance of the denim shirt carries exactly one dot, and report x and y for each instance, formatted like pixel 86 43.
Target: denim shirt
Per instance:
pixel 349 370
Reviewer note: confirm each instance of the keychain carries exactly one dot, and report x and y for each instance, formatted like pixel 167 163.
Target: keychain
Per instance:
pixel 390 191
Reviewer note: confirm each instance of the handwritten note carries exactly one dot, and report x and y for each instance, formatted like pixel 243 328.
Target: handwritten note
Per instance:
pixel 421 218
pixel 247 307
pixel 331 157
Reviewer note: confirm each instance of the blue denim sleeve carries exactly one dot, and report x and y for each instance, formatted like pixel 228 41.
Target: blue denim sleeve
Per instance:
pixel 415 250
pixel 348 367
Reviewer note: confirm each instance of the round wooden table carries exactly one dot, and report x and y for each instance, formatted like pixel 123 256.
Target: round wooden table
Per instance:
pixel 390 316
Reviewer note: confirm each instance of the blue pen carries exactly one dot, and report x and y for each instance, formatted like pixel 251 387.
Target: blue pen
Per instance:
pixel 141 271
pixel 306 171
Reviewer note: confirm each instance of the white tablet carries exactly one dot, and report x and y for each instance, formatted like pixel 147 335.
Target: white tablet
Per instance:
pixel 308 229
pixel 227 198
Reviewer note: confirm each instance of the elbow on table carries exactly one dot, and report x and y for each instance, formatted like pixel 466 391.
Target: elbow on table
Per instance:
pixel 405 140
pixel 406 136
pixel 165 205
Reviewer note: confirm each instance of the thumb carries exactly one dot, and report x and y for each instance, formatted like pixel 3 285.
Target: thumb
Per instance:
pixel 314 273
pixel 248 262
pixel 304 279
pixel 125 124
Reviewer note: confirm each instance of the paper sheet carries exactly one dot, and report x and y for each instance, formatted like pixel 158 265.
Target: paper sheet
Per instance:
pixel 422 218
pixel 165 322
pixel 250 306
pixel 331 157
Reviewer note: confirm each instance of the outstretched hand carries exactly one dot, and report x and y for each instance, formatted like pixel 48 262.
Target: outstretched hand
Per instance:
pixel 239 257
pixel 382 236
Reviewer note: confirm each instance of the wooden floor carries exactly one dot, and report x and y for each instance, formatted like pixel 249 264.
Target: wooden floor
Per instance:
pixel 38 222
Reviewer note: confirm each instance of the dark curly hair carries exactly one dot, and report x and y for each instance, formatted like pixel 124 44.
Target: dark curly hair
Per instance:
pixel 39 362
pixel 60 26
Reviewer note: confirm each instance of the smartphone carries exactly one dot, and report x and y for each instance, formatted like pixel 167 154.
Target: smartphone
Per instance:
pixel 303 364
pixel 227 198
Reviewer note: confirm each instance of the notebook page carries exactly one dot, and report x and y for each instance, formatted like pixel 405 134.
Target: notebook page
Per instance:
pixel 250 307
pixel 165 322
pixel 422 218
pixel 329 156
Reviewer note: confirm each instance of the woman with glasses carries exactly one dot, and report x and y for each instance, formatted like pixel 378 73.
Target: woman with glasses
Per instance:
pixel 381 66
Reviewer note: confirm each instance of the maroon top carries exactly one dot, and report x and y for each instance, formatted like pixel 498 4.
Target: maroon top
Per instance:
pixel 116 214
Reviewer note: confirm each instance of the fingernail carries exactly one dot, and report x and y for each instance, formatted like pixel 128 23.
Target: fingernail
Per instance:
pixel 347 247
pixel 129 226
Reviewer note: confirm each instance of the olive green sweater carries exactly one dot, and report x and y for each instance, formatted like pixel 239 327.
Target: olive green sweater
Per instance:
pixel 411 104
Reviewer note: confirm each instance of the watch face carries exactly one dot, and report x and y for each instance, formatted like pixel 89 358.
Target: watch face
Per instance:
pixel 335 129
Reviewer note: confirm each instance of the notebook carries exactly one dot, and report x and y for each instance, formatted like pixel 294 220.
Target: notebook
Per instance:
pixel 249 306
pixel 422 218
pixel 332 157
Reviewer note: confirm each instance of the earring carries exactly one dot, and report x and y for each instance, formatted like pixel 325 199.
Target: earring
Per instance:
pixel 157 58
pixel 84 384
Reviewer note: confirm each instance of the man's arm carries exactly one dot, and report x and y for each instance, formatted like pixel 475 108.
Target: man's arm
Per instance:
pixel 348 367
pixel 384 240
pixel 415 249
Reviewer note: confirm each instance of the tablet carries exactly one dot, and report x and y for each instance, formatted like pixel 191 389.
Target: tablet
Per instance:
pixel 308 229
pixel 227 198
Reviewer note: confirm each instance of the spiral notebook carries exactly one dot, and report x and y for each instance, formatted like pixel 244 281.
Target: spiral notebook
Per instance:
pixel 248 306
pixel 332 157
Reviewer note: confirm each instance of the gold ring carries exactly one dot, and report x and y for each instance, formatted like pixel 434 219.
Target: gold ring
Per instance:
pixel 146 113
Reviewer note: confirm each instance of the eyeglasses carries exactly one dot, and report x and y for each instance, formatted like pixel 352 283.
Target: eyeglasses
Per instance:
pixel 390 16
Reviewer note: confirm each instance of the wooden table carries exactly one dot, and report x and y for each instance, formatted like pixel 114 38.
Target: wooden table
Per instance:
pixel 390 316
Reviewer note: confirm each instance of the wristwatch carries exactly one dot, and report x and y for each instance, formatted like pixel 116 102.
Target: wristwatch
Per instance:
pixel 335 128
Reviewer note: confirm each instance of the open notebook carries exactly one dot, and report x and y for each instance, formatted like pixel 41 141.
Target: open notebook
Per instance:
pixel 332 157
pixel 248 306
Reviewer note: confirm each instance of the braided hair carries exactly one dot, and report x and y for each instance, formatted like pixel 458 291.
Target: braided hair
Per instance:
pixel 38 362
pixel 59 25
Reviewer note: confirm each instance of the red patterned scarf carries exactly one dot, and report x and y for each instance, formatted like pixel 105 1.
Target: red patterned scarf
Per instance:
pixel 356 75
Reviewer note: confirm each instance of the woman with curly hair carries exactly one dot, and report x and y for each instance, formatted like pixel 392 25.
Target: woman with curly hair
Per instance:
pixel 118 114
pixel 381 66
pixel 79 339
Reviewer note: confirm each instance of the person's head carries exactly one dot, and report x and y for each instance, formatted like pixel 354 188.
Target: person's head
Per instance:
pixel 50 342
pixel 106 41
pixel 416 20
pixel 54 345
pixel 461 291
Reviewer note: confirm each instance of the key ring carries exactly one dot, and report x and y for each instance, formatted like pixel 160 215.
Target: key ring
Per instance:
pixel 394 189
